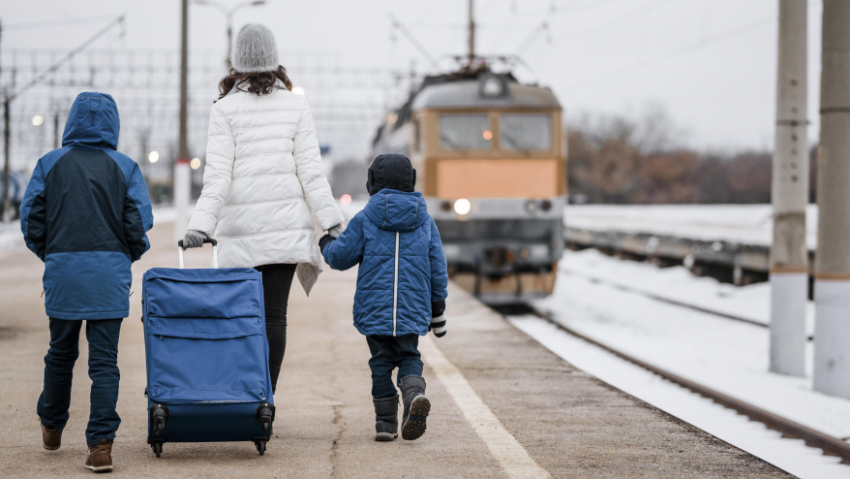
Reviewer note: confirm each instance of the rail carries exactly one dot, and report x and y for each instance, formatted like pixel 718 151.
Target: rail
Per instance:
pixel 830 445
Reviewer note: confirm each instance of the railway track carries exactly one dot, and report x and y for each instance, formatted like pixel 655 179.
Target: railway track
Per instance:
pixel 830 445
pixel 671 301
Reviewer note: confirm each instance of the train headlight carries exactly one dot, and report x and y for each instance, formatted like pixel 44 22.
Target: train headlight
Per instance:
pixel 539 251
pixel 463 206
pixel 531 207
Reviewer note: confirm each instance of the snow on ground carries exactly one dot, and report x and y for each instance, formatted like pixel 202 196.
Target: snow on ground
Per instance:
pixel 788 454
pixel 747 224
pixel 676 284
pixel 729 356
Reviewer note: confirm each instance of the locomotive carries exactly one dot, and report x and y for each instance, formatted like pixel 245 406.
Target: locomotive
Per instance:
pixel 491 161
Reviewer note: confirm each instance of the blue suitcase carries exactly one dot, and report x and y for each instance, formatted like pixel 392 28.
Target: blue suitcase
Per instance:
pixel 207 356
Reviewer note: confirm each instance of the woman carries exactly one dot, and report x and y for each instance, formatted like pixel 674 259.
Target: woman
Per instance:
pixel 264 183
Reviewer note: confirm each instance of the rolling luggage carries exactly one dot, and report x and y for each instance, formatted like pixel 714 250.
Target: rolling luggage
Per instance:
pixel 207 356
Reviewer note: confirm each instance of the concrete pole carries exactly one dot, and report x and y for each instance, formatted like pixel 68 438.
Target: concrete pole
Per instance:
pixel 471 31
pixel 6 200
pixel 181 166
pixel 57 138
pixel 789 265
pixel 832 262
pixel 229 60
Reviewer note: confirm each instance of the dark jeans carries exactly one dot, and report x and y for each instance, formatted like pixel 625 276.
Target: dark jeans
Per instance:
pixel 277 280
pixel 55 400
pixel 388 353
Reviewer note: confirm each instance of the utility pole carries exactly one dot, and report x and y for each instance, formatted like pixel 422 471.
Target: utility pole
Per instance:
pixel 832 262
pixel 57 139
pixel 145 162
pixel 5 201
pixel 471 31
pixel 6 204
pixel 181 167
pixel 789 260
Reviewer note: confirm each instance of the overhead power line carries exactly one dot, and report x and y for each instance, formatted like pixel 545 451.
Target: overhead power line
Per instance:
pixel 413 41
pixel 63 61
pixel 614 74
pixel 56 23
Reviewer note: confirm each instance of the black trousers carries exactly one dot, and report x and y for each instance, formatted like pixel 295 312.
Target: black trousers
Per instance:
pixel 277 280
pixel 388 353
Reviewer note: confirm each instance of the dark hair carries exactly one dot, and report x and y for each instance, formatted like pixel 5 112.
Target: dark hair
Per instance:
pixel 259 83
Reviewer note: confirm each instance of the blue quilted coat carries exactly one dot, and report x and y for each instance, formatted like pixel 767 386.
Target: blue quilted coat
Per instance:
pixel 85 213
pixel 402 264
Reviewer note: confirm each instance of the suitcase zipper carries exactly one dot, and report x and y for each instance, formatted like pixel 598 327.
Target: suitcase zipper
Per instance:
pixel 395 284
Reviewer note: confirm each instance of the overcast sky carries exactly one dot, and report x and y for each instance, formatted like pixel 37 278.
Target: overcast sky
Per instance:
pixel 711 63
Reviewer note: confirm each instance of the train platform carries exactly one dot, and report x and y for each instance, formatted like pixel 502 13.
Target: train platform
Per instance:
pixel 503 405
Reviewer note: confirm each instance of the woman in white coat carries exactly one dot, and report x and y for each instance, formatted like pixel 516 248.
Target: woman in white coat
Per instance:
pixel 264 184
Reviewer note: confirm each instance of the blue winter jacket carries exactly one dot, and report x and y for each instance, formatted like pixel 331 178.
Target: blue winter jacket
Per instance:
pixel 85 214
pixel 402 264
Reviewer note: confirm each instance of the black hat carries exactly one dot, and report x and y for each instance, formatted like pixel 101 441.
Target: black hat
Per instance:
pixel 392 171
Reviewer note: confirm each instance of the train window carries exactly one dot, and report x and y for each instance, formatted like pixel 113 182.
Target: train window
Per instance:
pixel 523 131
pixel 465 132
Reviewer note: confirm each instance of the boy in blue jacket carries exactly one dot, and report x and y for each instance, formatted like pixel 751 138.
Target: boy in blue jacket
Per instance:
pixel 401 289
pixel 85 213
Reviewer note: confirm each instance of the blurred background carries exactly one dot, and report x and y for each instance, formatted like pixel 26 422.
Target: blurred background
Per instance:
pixel 664 101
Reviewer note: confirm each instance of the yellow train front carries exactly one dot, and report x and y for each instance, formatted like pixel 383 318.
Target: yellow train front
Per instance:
pixel 491 162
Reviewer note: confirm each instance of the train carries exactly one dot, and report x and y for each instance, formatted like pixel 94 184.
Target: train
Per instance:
pixel 490 153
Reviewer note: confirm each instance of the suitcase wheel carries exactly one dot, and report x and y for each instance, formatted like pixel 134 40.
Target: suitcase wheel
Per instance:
pixel 157 449
pixel 261 447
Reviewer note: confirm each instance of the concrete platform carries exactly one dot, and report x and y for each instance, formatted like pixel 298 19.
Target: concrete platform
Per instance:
pixel 503 406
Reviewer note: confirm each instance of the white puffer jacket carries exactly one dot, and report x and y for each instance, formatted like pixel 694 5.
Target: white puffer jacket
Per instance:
pixel 262 180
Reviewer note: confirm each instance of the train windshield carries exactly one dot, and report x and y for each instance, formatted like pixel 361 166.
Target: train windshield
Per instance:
pixel 465 132
pixel 522 131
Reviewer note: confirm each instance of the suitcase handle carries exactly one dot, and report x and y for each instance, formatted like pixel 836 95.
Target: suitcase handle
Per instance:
pixel 211 241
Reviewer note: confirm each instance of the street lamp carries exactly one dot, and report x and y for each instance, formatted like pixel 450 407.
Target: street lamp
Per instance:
pixel 228 13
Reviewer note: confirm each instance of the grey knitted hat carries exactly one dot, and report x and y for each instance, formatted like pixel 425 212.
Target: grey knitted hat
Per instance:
pixel 255 50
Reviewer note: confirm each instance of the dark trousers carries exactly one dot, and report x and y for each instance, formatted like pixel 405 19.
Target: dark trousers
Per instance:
pixel 59 362
pixel 277 280
pixel 388 353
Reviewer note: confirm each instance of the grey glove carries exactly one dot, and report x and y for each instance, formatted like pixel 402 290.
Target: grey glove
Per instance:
pixel 194 239
pixel 335 231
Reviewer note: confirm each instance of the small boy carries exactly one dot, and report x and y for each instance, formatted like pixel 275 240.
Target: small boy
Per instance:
pixel 401 289
pixel 85 214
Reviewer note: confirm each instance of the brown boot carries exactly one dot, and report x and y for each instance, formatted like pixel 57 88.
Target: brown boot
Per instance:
pixel 51 439
pixel 99 458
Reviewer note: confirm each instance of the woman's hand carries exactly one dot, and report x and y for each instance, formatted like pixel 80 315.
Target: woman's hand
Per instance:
pixel 335 231
pixel 194 239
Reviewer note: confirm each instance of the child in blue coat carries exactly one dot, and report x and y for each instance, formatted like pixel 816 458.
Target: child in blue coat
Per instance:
pixel 401 289
pixel 86 213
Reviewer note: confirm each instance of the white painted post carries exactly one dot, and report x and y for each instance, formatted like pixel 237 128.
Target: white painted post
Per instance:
pixel 182 190
pixel 789 266
pixel 832 262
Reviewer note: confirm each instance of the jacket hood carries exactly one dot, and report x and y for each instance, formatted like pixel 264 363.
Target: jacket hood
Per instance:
pixel 394 210
pixel 92 122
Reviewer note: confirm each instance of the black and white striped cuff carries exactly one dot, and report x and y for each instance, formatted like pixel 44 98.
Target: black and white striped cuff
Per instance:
pixel 438 325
